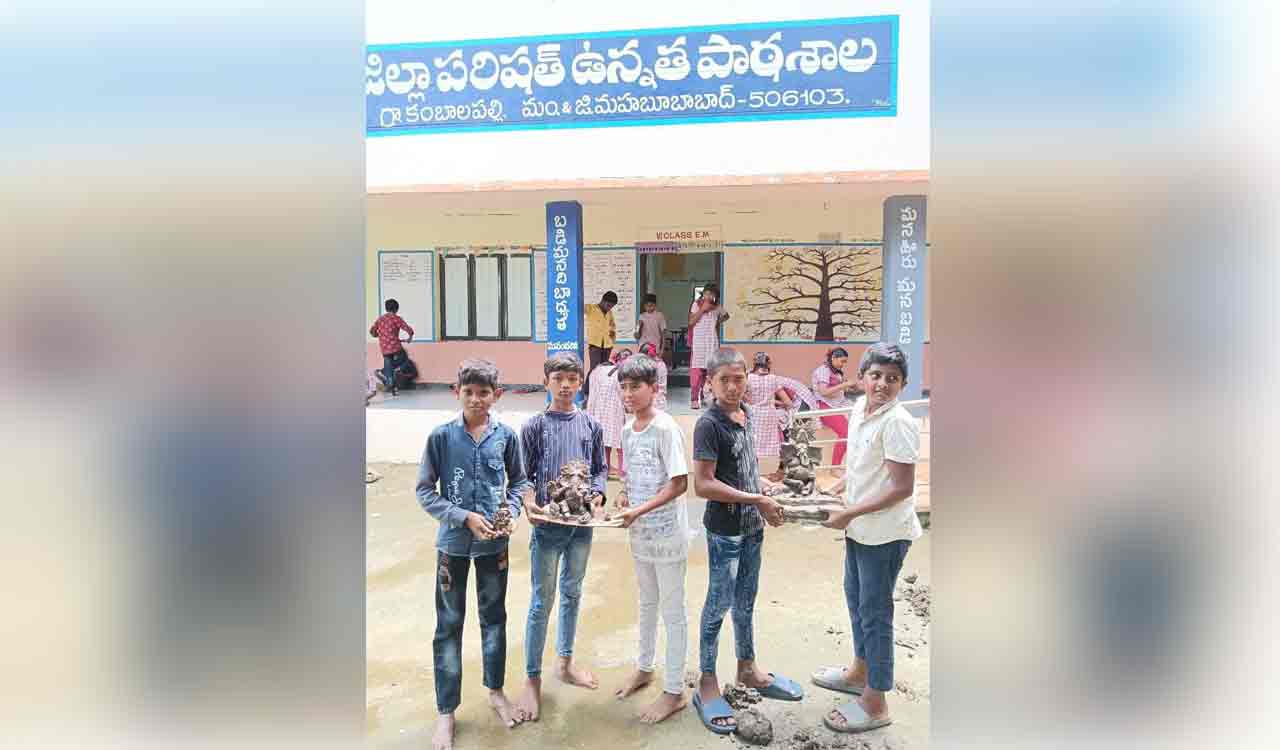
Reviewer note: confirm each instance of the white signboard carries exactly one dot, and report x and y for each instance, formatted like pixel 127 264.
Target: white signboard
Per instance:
pixel 408 277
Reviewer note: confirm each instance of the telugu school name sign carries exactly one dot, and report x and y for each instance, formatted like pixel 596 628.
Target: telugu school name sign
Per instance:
pixel 845 67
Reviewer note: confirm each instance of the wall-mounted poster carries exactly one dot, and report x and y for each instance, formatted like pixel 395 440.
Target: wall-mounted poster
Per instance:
pixel 803 294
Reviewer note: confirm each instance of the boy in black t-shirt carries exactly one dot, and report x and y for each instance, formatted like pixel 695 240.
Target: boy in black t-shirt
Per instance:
pixel 727 475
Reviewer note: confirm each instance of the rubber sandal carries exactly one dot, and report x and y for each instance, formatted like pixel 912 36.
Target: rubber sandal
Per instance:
pixel 855 720
pixel 781 689
pixel 716 709
pixel 832 678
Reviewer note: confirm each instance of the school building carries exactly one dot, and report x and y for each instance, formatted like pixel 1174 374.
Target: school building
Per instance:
pixel 523 161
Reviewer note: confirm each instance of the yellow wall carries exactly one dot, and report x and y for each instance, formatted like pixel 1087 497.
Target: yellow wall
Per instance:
pixel 783 213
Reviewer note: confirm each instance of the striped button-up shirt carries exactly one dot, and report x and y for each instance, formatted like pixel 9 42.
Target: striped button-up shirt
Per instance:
pixel 552 439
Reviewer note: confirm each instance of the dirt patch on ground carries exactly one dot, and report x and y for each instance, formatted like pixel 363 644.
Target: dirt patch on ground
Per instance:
pixel 811 739
pixel 917 595
pixel 740 696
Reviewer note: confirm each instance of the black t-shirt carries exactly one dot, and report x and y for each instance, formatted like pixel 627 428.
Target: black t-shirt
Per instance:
pixel 732 446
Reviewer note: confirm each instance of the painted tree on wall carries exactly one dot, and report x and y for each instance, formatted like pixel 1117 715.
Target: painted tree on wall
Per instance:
pixel 818 293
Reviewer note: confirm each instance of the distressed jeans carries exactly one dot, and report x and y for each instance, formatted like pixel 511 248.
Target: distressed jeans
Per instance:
pixel 733 563
pixel 451 609
pixel 870 574
pixel 554 549
pixel 391 363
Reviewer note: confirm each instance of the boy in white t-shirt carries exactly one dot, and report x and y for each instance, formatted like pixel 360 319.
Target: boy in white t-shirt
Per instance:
pixel 658 517
pixel 879 521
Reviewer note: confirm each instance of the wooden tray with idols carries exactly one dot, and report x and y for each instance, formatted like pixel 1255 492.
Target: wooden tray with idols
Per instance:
pixel 598 520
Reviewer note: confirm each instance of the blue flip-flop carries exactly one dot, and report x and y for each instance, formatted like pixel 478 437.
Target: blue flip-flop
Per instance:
pixel 781 689
pixel 716 709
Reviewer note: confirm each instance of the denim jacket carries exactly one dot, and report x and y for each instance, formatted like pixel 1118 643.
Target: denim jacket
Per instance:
pixel 461 475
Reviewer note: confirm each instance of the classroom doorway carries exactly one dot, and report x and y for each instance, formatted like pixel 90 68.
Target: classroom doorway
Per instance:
pixel 677 279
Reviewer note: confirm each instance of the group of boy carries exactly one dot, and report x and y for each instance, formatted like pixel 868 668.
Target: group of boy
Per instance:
pixel 474 464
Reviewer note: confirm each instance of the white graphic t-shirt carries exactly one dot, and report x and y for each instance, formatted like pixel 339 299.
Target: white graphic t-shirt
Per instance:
pixel 653 457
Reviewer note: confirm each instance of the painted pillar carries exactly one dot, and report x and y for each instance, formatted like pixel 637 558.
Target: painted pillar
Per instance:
pixel 902 310
pixel 564 278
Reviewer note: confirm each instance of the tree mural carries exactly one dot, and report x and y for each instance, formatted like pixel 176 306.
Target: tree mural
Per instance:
pixel 817 293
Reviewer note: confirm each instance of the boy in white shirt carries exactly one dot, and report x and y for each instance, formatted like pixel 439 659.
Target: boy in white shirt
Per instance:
pixel 656 514
pixel 879 521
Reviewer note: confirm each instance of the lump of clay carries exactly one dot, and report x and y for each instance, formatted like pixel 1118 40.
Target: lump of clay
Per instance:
pixel 753 727
pixel 503 522
pixel 569 495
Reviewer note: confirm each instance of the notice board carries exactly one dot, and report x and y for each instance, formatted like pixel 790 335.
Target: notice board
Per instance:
pixel 408 277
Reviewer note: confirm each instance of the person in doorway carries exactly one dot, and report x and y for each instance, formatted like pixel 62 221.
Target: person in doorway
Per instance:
pixel 658 518
pixel 386 329
pixel 651 328
pixel 557 552
pixel 726 473
pixel 470 467
pixel 602 332
pixel 879 522
pixel 704 316
pixel 832 388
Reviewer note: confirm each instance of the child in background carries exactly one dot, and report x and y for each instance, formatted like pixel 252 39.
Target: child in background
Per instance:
pixel 651 328
pixel 604 404
pixel 705 315
pixel 880 523
pixel 386 329
pixel 658 519
pixel 561 434
pixel 660 400
pixel 772 402
pixel 469 466
pixel 832 387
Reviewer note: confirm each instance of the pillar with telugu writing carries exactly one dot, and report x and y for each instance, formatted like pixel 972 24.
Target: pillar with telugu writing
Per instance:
pixel 564 278
pixel 902 310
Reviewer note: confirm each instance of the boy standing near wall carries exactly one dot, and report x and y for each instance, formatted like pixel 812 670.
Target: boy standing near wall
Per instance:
pixel 470 467
pixel 656 514
pixel 386 329
pixel 549 440
pixel 727 475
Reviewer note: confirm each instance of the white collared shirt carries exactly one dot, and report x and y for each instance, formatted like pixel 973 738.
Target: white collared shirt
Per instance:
pixel 889 434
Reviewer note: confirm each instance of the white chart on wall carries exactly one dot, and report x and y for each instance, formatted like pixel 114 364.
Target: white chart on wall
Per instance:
pixel 408 277
pixel 602 270
pixel 612 270
pixel 539 295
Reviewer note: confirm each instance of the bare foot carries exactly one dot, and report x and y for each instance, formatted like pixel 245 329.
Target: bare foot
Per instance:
pixel 530 704
pixel 508 713
pixel 571 674
pixel 709 690
pixel 443 738
pixel 638 681
pixel 664 706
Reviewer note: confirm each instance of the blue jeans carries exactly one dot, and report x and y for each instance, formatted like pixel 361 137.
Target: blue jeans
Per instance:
pixel 553 549
pixel 870 574
pixel 391 363
pixel 734 566
pixel 451 610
